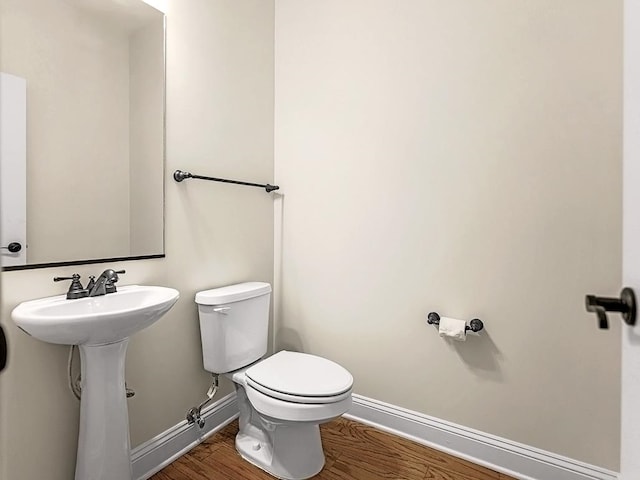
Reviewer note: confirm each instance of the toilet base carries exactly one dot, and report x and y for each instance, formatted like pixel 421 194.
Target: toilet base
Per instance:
pixel 286 450
pixel 296 452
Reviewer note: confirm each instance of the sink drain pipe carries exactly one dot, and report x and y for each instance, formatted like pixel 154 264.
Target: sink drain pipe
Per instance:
pixel 195 414
pixel 76 385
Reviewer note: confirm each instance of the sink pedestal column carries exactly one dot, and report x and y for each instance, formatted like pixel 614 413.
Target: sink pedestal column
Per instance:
pixel 103 442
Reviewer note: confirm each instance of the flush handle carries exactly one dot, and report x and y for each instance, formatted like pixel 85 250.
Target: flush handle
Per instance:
pixel 222 310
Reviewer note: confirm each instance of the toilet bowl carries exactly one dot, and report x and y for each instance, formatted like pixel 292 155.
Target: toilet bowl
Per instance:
pixel 283 398
pixel 279 431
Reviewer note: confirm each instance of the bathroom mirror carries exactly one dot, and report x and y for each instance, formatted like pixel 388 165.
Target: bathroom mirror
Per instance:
pixel 82 139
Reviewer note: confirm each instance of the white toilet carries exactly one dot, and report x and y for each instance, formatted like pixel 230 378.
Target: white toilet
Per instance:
pixel 282 398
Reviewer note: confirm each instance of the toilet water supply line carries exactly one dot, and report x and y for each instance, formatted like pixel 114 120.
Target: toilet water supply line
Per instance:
pixel 195 414
pixel 76 385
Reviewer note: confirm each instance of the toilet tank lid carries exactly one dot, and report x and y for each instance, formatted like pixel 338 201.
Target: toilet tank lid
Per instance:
pixel 232 293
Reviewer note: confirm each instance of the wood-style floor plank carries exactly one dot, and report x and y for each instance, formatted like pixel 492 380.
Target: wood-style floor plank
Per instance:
pixel 353 451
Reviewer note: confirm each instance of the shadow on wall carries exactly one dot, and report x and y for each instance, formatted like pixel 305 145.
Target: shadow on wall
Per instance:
pixel 481 355
pixel 632 337
pixel 289 339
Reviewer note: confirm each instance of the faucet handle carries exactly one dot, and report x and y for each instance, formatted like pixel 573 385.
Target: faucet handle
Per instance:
pixel 75 289
pixel 109 286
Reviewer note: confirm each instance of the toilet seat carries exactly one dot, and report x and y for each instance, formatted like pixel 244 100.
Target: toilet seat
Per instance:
pixel 281 410
pixel 300 378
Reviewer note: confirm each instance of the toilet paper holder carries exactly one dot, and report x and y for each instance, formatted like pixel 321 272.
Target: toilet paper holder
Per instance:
pixel 475 325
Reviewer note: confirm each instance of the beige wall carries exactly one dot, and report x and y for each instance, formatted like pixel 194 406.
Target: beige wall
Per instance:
pixel 77 74
pixel 450 156
pixel 220 122
pixel 462 157
pixel 146 127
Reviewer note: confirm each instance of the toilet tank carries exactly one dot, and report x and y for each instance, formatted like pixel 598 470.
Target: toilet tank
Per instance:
pixel 234 322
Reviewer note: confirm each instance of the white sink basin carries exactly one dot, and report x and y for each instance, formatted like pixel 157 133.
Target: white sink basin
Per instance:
pixel 94 320
pixel 101 326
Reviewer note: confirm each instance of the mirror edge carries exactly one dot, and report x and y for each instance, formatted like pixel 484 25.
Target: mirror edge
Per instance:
pixel 68 263
pixel 80 262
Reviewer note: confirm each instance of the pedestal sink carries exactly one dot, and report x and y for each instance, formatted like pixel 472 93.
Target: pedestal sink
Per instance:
pixel 101 327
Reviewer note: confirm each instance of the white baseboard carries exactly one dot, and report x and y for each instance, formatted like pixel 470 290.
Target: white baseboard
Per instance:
pixel 514 459
pixel 155 454
pixel 499 454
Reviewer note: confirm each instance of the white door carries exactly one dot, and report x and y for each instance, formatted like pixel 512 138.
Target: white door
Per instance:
pixel 13 167
pixel 630 446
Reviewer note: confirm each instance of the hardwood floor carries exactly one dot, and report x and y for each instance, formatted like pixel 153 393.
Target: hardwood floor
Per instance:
pixel 353 452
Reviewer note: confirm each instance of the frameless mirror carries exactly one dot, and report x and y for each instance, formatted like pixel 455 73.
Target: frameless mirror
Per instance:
pixel 81 131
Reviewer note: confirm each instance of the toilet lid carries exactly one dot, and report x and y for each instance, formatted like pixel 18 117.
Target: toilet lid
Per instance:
pixel 300 377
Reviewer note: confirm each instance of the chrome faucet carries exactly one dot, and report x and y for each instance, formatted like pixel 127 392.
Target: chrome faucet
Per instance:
pixel 105 283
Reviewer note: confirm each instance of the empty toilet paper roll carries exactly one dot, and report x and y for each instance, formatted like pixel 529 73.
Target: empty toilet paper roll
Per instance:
pixel 452 328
